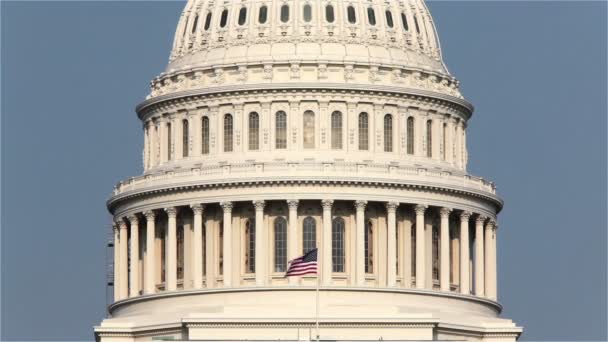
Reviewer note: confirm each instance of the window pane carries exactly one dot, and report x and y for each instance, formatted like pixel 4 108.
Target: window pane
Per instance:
pixel 208 21
pixel 337 245
pixel 195 24
pixel 413 250
pixel 329 13
pixel 363 132
pixel 205 135
pixel 388 133
pixel 169 149
pixel 307 13
pixel 369 250
pixel 285 13
pixel 410 135
pixel 309 129
pixel 280 245
pixel 242 16
pixel 224 18
pixel 352 17
pixel 254 131
pixel 444 142
pixel 429 138
pixel 263 15
pixel 309 231
pixel 389 19
pixel 435 253
pixel 250 245
pixel 336 130
pixel 227 133
pixel 281 130
pixel 404 22
pixel 371 16
pixel 185 138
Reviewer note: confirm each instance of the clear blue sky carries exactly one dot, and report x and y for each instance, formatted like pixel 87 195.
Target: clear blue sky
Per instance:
pixel 72 73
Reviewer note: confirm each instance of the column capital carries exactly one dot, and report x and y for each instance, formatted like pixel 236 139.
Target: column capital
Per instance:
pixel 391 207
pixel 360 204
pixel 197 208
pixel 445 212
pixel 327 204
pixel 420 209
pixel 227 206
pixel 465 215
pixel 121 224
pixel 133 219
pixel 259 205
pixel 480 220
pixel 292 204
pixel 150 215
pixel 171 212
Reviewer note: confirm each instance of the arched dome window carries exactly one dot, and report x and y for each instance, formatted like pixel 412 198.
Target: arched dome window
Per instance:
pixel 351 14
pixel 280 244
pixel 263 15
pixel 309 234
pixel 207 22
pixel 309 129
pixel 281 130
pixel 250 246
pixel 369 247
pixel 410 135
pixel 284 13
pixel 205 135
pixel 416 24
pixel 228 130
pixel 185 138
pixel 389 18
pixel 336 130
pixel 404 22
pixel 195 24
pixel 242 16
pixel 371 16
pixel 363 131
pixel 254 131
pixel 429 138
pixel 337 245
pixel 388 133
pixel 329 14
pixel 307 13
pixel 224 18
pixel 169 138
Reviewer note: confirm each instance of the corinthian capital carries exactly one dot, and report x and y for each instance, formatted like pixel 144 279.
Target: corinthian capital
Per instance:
pixel 480 220
pixel 465 215
pixel 444 213
pixel 420 209
pixel 327 204
pixel 292 204
pixel 121 223
pixel 360 205
pixel 227 206
pixel 391 207
pixel 171 212
pixel 259 205
pixel 150 215
pixel 133 219
pixel 197 208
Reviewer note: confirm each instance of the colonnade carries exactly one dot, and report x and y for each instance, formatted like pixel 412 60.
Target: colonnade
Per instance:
pixel 137 262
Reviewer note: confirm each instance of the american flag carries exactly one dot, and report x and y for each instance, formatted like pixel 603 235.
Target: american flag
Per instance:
pixel 306 264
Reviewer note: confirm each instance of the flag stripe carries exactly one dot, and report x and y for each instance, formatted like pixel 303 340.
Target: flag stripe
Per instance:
pixel 306 264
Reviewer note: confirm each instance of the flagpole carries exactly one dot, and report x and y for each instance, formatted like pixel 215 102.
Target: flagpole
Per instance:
pixel 317 315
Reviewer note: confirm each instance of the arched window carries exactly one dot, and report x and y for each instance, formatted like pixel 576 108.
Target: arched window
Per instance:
pixel 185 138
pixel 263 15
pixel 363 131
pixel 369 248
pixel 284 13
pixel 329 14
pixel 221 249
pixel 389 18
pixel 309 234
pixel 416 24
pixel 180 251
pixel 351 14
pixel 205 135
pixel 250 246
pixel 228 127
pixel 435 253
pixel 224 18
pixel 254 131
pixel 336 130
pixel 307 13
pixel 337 245
pixel 388 133
pixel 195 24
pixel 444 142
pixel 281 130
pixel 410 135
pixel 429 138
pixel 280 244
pixel 242 16
pixel 309 129
pixel 413 249
pixel 371 16
pixel 404 22
pixel 208 21
pixel 169 138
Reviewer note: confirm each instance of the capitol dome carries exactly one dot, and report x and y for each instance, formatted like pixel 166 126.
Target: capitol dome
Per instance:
pixel 282 126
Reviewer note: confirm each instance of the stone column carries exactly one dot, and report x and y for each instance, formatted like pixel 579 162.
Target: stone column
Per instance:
pixel 479 256
pixel 116 232
pixel 211 262
pixel 123 266
pixel 391 240
pixel 162 141
pixel 464 252
pixel 490 260
pixel 360 250
pixel 150 266
pixel 197 250
pixel 449 141
pixel 195 133
pixel 171 270
pixel 458 142
pixel 444 238
pixel 420 246
pixel 260 244
pixel 152 138
pixel 227 207
pixel 134 260
pixel 326 261
pixel 292 234
pixel 146 153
